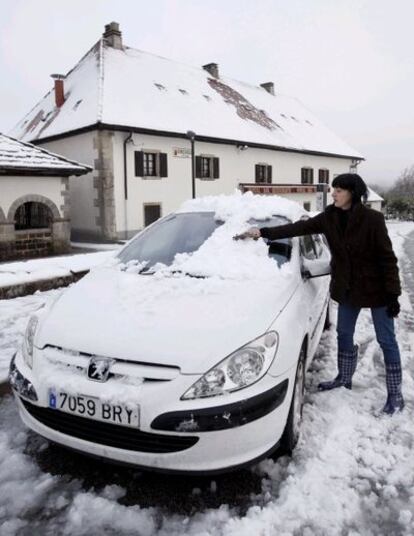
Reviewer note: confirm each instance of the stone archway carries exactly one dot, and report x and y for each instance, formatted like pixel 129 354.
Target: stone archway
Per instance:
pixel 32 241
pixel 2 216
pixel 34 198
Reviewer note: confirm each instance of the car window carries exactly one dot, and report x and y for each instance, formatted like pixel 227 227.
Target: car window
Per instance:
pixel 307 247
pixel 177 233
pixel 318 243
pixel 279 250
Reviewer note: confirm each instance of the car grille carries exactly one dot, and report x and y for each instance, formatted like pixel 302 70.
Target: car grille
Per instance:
pixel 111 435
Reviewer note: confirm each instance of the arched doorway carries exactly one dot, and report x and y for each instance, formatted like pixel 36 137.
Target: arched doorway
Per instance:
pixel 33 215
pixel 35 218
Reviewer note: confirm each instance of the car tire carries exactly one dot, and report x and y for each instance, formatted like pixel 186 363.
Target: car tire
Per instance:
pixel 291 432
pixel 327 323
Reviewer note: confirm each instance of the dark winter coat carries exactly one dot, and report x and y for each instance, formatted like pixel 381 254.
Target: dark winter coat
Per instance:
pixel 364 268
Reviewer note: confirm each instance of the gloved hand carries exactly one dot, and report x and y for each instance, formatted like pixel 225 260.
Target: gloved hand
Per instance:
pixel 393 306
pixel 253 232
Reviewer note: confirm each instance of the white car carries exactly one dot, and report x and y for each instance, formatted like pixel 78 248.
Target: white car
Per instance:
pixel 187 352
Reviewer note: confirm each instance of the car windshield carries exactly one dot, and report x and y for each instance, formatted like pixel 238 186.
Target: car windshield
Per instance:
pixel 177 233
pixel 185 233
pixel 279 250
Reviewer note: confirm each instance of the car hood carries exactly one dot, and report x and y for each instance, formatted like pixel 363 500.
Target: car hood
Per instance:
pixel 178 320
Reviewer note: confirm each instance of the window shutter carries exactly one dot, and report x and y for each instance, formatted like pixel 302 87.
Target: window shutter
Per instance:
pixel 269 174
pixel 311 176
pixel 256 178
pixel 198 167
pixel 139 164
pixel 216 168
pixel 163 165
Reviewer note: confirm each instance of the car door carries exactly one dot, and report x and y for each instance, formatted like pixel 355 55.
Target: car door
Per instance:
pixel 315 288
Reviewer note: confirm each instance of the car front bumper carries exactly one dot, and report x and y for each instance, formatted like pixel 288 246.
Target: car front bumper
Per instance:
pixel 215 439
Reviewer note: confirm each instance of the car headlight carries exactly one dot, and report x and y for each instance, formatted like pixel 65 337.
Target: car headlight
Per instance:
pixel 29 340
pixel 240 369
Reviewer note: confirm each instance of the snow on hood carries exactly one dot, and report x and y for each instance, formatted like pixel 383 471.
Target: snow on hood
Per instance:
pixel 177 320
pixel 170 317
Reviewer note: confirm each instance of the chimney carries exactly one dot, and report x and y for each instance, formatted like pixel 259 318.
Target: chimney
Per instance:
pixel 59 90
pixel 269 87
pixel 212 68
pixel 113 36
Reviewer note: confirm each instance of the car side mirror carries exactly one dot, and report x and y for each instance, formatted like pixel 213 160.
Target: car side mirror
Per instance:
pixel 315 268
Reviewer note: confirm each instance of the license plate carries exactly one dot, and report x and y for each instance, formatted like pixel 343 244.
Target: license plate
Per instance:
pixel 94 408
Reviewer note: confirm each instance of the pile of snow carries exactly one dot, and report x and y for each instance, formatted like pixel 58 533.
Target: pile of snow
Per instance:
pixel 220 255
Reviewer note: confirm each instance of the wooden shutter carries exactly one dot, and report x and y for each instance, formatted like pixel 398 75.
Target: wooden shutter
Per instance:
pixel 256 177
pixel 139 164
pixel 163 165
pixel 198 167
pixel 269 174
pixel 216 168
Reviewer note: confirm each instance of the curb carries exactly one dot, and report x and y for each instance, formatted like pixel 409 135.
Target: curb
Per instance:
pixel 23 289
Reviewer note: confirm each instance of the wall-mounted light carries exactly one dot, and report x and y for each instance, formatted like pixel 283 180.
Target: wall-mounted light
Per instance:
pixel 242 147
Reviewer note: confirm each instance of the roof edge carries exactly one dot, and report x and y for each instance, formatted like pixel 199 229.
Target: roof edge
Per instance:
pixel 208 139
pixel 81 168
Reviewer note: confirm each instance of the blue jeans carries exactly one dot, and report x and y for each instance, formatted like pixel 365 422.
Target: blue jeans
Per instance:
pixel 384 330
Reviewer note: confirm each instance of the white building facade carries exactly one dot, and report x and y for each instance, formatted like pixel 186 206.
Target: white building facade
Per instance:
pixel 130 115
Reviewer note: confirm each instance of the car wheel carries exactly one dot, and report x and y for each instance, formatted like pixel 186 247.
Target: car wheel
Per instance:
pixel 327 323
pixel 291 433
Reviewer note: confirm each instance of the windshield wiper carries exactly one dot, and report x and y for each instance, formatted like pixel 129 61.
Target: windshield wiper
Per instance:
pixel 188 273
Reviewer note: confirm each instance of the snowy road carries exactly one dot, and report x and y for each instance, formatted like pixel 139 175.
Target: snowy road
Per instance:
pixel 352 473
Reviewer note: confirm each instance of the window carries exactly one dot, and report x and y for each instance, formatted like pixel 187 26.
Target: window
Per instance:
pixel 307 205
pixel 307 247
pixel 207 167
pixel 32 215
pixel 307 175
pixel 152 212
pixel 263 173
pixel 279 250
pixel 323 176
pixel 151 164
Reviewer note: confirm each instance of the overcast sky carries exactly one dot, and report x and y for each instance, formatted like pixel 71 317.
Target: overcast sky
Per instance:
pixel 349 61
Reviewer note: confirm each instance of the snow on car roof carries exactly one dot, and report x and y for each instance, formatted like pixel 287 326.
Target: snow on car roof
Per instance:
pixel 245 206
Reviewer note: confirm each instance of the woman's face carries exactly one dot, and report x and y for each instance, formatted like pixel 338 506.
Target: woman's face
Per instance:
pixel 342 198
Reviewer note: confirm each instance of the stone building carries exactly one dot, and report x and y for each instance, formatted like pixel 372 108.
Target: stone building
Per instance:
pixel 133 116
pixel 34 200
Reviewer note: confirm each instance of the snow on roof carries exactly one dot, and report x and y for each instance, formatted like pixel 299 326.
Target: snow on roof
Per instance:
pixel 19 157
pixel 373 196
pixel 135 89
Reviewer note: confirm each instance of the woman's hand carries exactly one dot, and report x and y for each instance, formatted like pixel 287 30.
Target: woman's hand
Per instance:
pixel 253 232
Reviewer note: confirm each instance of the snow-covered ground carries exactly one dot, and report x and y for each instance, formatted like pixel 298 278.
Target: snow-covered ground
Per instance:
pixel 15 273
pixel 352 472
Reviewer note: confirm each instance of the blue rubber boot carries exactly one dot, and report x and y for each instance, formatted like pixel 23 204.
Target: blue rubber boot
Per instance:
pixel 347 362
pixel 393 377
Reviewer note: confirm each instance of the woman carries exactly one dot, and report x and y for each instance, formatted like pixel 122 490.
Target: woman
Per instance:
pixel 364 273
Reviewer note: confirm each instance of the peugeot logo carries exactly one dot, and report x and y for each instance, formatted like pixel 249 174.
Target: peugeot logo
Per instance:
pixel 98 368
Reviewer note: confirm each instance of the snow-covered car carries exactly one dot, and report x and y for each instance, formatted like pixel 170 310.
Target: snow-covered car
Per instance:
pixel 187 351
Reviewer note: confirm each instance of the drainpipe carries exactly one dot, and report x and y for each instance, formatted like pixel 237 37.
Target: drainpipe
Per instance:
pixel 128 139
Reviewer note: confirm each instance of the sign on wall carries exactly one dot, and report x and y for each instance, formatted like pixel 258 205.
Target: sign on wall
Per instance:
pixel 182 152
